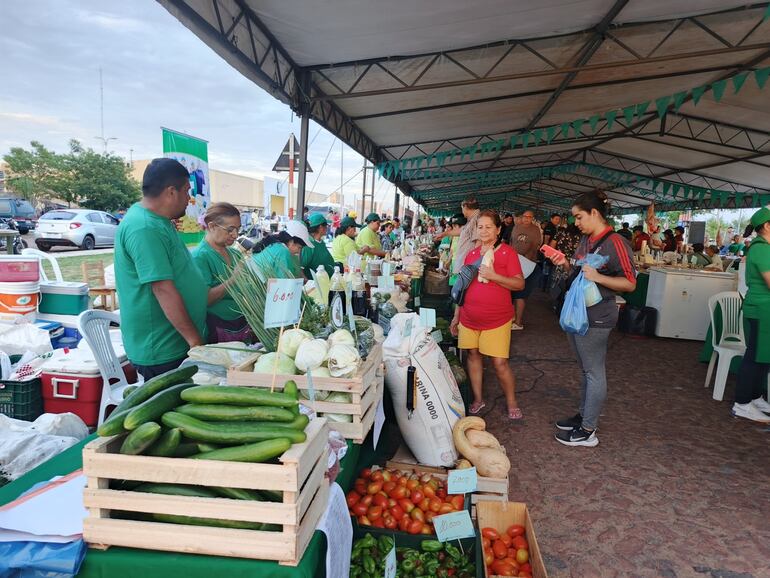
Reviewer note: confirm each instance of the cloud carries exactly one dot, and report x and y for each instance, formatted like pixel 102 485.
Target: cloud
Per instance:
pixel 110 22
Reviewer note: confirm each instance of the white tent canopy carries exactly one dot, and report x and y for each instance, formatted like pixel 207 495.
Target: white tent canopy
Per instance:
pixel 403 79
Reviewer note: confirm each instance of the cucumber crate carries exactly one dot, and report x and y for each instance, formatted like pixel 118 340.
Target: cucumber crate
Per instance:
pixel 366 389
pixel 300 475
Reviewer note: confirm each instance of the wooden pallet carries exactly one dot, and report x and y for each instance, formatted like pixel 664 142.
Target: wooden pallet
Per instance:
pixel 366 389
pixel 300 476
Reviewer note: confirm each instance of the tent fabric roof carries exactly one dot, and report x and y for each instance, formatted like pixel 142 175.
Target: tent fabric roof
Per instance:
pixel 402 79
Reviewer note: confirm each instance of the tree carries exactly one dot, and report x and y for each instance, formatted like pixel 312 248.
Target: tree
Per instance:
pixel 35 173
pixel 100 181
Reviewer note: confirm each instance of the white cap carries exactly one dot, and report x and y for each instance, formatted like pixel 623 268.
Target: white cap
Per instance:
pixel 298 229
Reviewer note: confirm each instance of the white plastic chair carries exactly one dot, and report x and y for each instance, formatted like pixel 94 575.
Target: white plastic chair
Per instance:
pixel 52 260
pixel 94 326
pixel 731 343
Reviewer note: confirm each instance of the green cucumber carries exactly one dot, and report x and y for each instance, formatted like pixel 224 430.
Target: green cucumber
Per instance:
pixel 204 447
pixel 233 395
pixel 156 384
pixel 141 438
pixel 271 495
pixel 129 390
pixel 238 493
pixel 254 453
pixel 167 444
pixel 113 425
pixel 221 412
pixel 177 490
pixel 186 449
pixel 156 406
pixel 299 423
pixel 192 521
pixel 229 433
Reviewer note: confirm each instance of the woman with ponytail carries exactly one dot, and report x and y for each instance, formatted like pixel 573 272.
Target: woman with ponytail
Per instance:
pixel 617 275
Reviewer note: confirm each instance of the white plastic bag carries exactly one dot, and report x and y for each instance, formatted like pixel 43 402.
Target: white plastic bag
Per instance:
pixel 56 424
pixel 428 430
pixel 18 339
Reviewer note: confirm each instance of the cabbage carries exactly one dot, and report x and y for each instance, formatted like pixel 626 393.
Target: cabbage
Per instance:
pixel 285 364
pixel 340 397
pixel 291 341
pixel 343 360
pixel 319 395
pixel 339 417
pixel 388 310
pixel 321 372
pixel 341 337
pixel 311 354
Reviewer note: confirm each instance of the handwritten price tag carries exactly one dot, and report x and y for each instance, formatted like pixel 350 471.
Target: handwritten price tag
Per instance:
pixel 454 526
pixel 282 303
pixel 385 282
pixel 462 481
pixel 427 317
pixel 390 564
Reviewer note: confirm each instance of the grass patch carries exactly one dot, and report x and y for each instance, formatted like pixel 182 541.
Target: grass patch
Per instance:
pixel 71 266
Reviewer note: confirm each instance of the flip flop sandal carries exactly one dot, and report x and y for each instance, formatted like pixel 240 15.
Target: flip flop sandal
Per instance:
pixel 515 413
pixel 476 407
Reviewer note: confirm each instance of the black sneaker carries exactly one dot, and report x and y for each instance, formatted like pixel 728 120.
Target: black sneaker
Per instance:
pixel 577 437
pixel 570 423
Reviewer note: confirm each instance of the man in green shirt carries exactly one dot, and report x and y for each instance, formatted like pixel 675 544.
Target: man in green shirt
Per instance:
pixel 370 237
pixel 162 294
pixel 318 254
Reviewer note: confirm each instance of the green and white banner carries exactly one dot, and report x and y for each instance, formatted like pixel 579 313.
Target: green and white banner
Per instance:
pixel 194 155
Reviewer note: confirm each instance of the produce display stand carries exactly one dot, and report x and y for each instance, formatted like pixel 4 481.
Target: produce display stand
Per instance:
pixel 300 476
pixel 366 389
pixel 500 517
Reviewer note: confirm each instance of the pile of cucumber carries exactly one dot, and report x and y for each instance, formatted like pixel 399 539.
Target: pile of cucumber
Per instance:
pixel 169 416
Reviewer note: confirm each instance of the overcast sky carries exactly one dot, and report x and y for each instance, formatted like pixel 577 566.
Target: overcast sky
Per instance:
pixel 156 73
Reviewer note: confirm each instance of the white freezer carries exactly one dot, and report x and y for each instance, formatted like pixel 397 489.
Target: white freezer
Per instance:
pixel 681 298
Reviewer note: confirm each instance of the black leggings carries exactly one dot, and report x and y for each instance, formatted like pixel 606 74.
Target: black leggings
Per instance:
pixel 752 376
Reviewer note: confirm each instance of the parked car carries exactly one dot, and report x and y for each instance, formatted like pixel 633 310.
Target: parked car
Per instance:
pixel 20 211
pixel 76 228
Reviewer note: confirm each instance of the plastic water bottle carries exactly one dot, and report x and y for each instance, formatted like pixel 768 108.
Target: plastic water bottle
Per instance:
pixel 337 300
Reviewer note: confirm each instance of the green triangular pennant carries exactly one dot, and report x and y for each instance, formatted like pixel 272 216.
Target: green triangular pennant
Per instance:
pixel 738 81
pixel 755 200
pixel 666 188
pixel 525 140
pixel 765 200
pixel 762 75
pixel 642 108
pixel 564 130
pixel 514 139
pixel 550 132
pixel 714 195
pixel 718 88
pixel 767 13
pixel 739 200
pixel 679 99
pixel 697 92
pixel 628 113
pixel 611 116
pixel 676 190
pixel 592 122
pixel 701 194
pixel 687 191
pixel 538 136
pixel 577 125
pixel 662 105
pixel 723 195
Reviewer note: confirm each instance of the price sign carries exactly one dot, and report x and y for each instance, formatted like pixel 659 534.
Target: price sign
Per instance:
pixel 385 282
pixel 282 303
pixel 379 421
pixel 462 481
pixel 427 317
pixel 390 564
pixel 454 526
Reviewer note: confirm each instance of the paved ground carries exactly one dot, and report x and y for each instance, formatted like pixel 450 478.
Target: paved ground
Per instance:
pixel 676 488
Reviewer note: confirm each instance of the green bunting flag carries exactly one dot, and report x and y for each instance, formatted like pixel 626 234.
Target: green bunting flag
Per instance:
pixel 738 200
pixel 628 113
pixel 550 132
pixel 661 104
pixel 679 99
pixel 767 13
pixel 611 116
pixel 514 139
pixel 718 88
pixel 697 92
pixel 761 76
pixel 525 140
pixel 738 81
pixel 666 188
pixel 538 136
pixel 565 130
pixel 641 108
pixel 578 126
pixel 593 121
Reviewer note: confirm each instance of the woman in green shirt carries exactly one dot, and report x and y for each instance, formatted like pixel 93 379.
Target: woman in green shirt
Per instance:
pixel 279 254
pixel 318 254
pixel 218 262
pixel 344 241
pixel 752 376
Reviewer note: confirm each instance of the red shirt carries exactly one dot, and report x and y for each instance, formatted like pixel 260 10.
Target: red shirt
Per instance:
pixel 488 305
pixel 638 241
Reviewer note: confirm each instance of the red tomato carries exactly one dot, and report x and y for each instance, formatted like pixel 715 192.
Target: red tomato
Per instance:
pixel 387 476
pixel 499 547
pixel 404 523
pixel 427 530
pixel 398 492
pixel 458 502
pixel 501 568
pixel 441 493
pixel 359 509
pixel 364 521
pixel 403 481
pixel 490 533
pixel 429 491
pixel 489 556
pixel 397 512
pixel 374 488
pixel 429 517
pixel 412 484
pixel 424 505
pixel 380 500
pixel 388 487
pixel 506 539
pixel 392 502
pixel 416 497
pixel 515 530
pixel 446 508
pixel 520 543
pixel 415 527
pixel 417 514
pixel 360 487
pixel 512 553
pixel 366 500
pixel 378 523
pixel 406 505
pixel 486 542
pixel 526 567
pixel 522 556
pixel 435 505
pixel 352 498
pixel 366 473
pixel 374 513
pixel 376 476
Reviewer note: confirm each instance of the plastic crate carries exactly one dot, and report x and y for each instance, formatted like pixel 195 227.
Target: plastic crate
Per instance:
pixel 21 399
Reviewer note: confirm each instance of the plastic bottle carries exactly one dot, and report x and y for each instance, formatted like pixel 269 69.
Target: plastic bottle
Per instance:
pixel 337 299
pixel 359 293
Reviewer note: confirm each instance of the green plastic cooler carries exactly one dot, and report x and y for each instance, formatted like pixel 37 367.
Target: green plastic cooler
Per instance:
pixel 63 297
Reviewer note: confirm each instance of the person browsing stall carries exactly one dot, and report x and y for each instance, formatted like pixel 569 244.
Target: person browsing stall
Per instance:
pixel 218 263
pixel 752 375
pixel 344 241
pixel 369 237
pixel 318 253
pixel 467 235
pixel 526 238
pixel 163 296
pixel 386 240
pixel 483 322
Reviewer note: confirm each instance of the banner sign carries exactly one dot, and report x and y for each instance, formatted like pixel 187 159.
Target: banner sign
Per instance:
pixel 193 154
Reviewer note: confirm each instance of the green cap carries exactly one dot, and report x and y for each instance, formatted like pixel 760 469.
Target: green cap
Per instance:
pixel 372 217
pixel 571 220
pixel 760 217
pixel 347 222
pixel 317 219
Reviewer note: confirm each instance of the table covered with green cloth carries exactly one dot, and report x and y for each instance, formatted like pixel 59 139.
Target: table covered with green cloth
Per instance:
pixel 134 563
pixel 638 297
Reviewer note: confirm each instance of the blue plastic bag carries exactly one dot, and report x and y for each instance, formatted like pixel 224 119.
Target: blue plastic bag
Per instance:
pixel 574 316
pixel 40 559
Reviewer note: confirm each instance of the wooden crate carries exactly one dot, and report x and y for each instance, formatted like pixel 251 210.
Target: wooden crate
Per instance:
pixel 366 389
pixel 300 476
pixel 493 514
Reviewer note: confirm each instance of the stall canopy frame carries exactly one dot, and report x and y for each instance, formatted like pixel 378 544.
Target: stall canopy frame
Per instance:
pixel 400 80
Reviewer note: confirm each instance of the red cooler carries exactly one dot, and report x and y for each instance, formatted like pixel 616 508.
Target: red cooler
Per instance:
pixel 72 383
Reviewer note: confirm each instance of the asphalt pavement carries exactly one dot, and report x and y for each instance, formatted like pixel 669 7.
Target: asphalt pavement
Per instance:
pixel 65 251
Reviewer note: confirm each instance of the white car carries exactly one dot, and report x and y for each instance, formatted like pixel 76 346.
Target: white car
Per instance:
pixel 76 228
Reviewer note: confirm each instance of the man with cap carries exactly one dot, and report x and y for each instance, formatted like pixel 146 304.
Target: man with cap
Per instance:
pixel 752 375
pixel 370 237
pixel 317 254
pixel 344 241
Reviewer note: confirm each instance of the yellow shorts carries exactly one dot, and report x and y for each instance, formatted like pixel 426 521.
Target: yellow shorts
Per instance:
pixel 492 342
